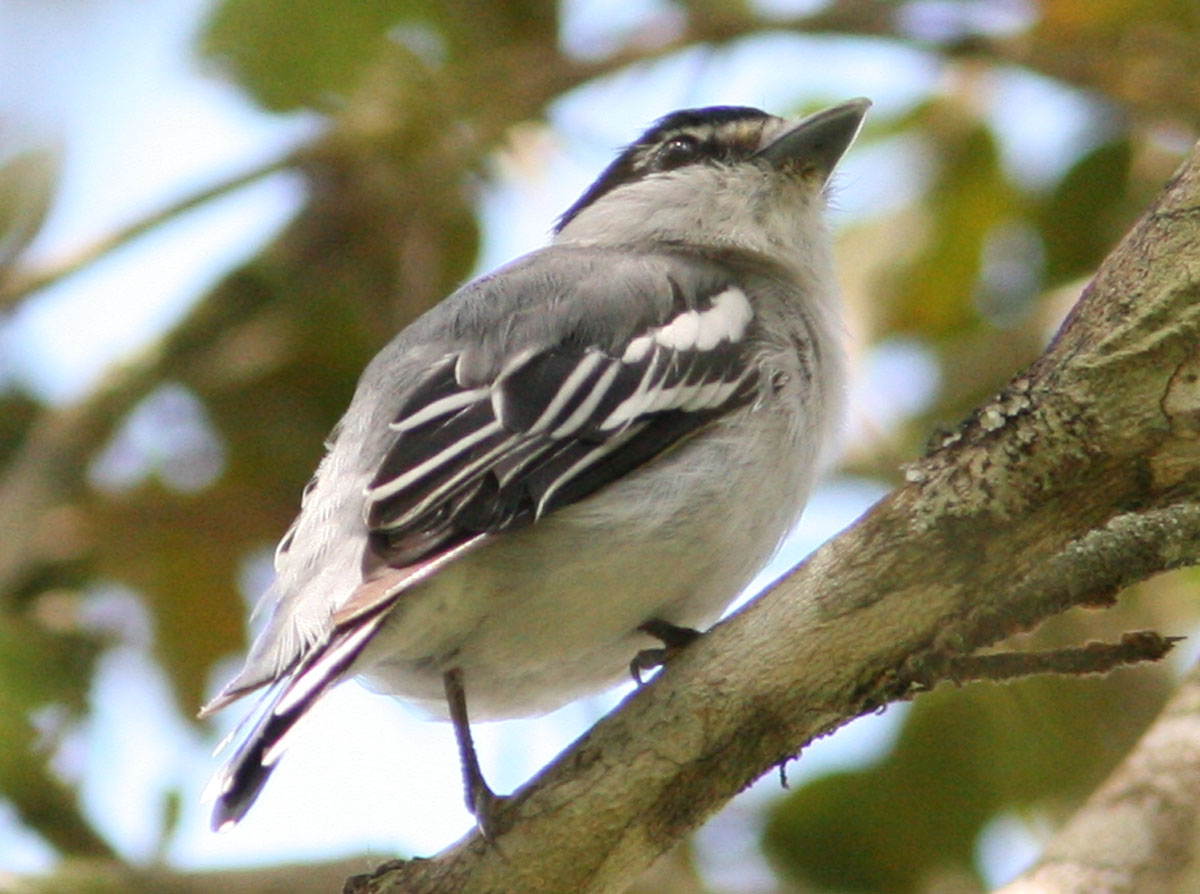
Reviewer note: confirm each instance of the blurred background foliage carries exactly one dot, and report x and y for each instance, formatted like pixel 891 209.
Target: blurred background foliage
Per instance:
pixel 187 456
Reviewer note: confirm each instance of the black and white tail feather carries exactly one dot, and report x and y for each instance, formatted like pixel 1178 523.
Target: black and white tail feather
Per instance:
pixel 235 786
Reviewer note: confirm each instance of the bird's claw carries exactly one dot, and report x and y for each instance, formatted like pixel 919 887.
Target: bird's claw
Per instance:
pixel 674 639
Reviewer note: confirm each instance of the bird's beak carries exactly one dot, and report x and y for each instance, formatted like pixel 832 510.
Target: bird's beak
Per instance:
pixel 817 143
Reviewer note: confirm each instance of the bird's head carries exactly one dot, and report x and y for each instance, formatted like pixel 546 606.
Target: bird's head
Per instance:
pixel 723 175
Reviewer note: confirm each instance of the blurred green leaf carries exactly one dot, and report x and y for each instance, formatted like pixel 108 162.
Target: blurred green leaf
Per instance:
pixel 293 53
pixel 28 181
pixel 1087 212
pixel 961 757
pixel 313 53
pixel 968 200
pixel 17 412
pixel 184 555
pixel 40 669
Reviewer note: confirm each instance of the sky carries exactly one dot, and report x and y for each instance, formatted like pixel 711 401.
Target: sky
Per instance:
pixel 138 124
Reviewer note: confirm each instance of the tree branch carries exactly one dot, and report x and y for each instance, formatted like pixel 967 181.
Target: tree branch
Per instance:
pixel 1079 478
pixel 1138 832
pixel 22 285
pixel 107 877
pixel 1091 658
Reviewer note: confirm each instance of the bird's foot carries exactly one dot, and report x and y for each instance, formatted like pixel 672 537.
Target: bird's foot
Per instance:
pixel 674 639
pixel 488 809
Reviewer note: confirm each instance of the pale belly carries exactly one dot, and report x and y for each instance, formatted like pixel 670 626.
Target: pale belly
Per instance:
pixel 545 615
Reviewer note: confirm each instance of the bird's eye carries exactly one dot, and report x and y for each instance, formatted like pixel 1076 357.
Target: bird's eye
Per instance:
pixel 678 151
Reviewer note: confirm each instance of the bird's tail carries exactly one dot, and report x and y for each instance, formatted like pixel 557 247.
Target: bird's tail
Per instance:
pixel 234 787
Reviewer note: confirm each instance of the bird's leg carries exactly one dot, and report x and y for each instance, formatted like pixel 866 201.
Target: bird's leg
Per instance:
pixel 483 803
pixel 674 638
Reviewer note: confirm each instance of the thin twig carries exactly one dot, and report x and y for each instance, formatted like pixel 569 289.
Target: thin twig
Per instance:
pixel 1091 658
pixel 20 287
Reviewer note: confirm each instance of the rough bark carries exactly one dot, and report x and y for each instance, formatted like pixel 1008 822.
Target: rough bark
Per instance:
pixel 1080 478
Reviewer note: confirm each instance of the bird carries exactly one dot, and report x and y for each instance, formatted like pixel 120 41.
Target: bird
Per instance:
pixel 583 453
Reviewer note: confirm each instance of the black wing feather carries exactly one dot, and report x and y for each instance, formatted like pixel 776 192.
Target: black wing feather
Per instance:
pixel 551 428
